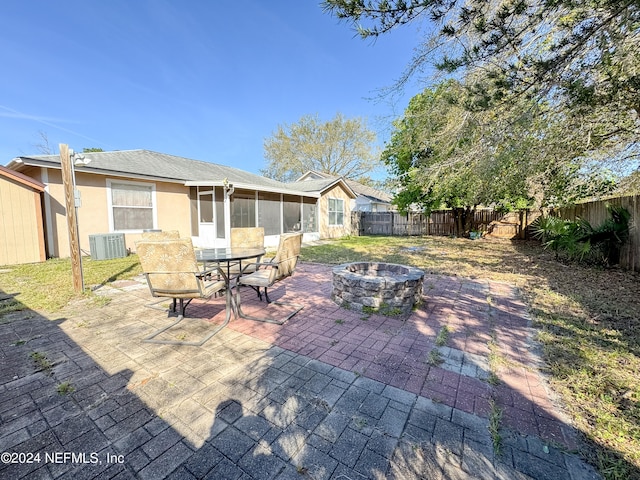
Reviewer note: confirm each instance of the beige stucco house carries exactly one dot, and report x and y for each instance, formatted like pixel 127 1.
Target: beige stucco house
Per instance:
pixel 132 191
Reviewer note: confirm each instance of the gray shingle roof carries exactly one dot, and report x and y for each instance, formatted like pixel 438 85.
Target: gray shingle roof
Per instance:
pixel 314 185
pixel 360 189
pixel 369 192
pixel 164 166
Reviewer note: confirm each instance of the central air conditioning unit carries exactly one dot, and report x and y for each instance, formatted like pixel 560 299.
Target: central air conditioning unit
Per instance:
pixel 106 246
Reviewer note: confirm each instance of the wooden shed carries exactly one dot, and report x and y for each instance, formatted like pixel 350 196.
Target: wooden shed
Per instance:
pixel 21 224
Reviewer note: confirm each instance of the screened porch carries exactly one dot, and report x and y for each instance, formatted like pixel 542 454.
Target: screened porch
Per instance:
pixel 217 209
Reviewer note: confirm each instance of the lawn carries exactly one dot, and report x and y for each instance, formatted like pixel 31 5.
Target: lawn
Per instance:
pixel 587 318
pixel 48 287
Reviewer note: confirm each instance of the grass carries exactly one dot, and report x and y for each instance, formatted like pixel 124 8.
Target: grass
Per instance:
pixel 495 420
pixel 42 362
pixel 443 336
pixel 587 320
pixel 48 286
pixel 435 357
pixel 65 388
pixel 383 309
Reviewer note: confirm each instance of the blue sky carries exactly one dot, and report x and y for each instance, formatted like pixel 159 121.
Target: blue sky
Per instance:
pixel 200 79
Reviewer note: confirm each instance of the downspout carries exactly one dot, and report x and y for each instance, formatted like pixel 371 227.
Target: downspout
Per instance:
pixel 228 191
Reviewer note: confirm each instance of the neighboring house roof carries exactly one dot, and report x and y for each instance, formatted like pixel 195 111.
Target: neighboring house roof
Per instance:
pixel 372 194
pixel 312 177
pixel 23 179
pixel 147 164
pixel 322 185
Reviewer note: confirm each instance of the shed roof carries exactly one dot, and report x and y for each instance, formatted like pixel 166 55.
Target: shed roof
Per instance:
pixel 22 179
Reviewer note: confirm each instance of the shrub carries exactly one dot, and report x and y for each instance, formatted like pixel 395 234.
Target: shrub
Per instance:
pixel 579 240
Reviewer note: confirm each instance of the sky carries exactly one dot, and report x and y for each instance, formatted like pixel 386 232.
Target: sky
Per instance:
pixel 195 78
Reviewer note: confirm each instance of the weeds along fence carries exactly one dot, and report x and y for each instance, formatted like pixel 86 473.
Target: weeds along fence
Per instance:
pixel 441 222
pixel 596 213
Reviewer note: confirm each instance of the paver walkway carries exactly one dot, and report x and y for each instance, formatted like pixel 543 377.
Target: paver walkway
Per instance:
pixel 330 394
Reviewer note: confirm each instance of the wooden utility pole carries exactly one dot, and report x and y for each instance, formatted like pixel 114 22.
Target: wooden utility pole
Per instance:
pixel 68 182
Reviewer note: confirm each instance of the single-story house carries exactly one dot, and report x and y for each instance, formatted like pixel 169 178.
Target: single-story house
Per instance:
pixel 132 191
pixel 368 199
pixel 21 226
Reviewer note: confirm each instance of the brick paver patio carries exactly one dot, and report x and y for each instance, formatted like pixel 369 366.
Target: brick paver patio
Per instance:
pixel 330 394
pixel 484 319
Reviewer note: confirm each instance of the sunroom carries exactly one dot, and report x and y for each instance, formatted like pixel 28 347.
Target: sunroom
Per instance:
pixel 217 207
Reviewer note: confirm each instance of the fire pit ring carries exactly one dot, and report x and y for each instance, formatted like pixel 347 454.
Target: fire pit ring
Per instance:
pixel 384 287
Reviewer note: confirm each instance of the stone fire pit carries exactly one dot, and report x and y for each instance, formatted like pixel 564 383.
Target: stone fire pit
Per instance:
pixel 386 287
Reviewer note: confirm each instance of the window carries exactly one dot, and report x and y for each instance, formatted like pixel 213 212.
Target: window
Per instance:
pixel 132 205
pixel 206 208
pixel 336 211
pixel 193 211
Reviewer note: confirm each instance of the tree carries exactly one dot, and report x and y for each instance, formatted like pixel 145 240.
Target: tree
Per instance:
pixel 579 54
pixel 341 147
pixel 443 154
pixel 629 184
pixel 44 146
pixel 526 44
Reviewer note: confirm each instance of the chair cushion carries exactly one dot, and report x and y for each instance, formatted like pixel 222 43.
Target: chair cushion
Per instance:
pixel 260 278
pixel 211 287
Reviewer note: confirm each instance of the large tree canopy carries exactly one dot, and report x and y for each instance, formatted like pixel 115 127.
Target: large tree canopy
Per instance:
pixel 581 57
pixel 587 50
pixel 343 147
pixel 442 154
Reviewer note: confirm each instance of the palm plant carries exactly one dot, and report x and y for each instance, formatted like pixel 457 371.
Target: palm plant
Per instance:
pixel 553 232
pixel 580 240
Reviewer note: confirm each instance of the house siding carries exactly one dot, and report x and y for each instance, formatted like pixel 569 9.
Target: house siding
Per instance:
pixel 172 206
pixel 333 231
pixel 175 208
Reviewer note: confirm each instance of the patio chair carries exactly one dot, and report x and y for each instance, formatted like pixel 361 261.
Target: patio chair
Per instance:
pixel 160 235
pixel 172 271
pixel 247 237
pixel 172 235
pixel 270 272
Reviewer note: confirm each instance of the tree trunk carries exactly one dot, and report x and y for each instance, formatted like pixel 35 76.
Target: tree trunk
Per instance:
pixel 463 218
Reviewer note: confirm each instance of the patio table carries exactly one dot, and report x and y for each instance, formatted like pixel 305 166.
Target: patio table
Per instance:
pixel 229 256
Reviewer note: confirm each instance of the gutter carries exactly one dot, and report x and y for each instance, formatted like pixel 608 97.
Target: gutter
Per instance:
pixel 251 186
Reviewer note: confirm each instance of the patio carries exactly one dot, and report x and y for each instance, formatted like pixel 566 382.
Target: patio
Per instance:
pixel 332 393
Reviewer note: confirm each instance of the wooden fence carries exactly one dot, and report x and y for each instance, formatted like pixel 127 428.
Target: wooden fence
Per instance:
pixel 510 225
pixel 596 213
pixel 439 222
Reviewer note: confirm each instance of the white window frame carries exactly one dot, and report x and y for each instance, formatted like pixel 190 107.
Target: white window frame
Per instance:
pixel 341 200
pixel 211 191
pixel 154 204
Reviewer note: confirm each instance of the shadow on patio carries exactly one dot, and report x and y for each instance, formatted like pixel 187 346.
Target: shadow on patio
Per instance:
pixel 332 393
